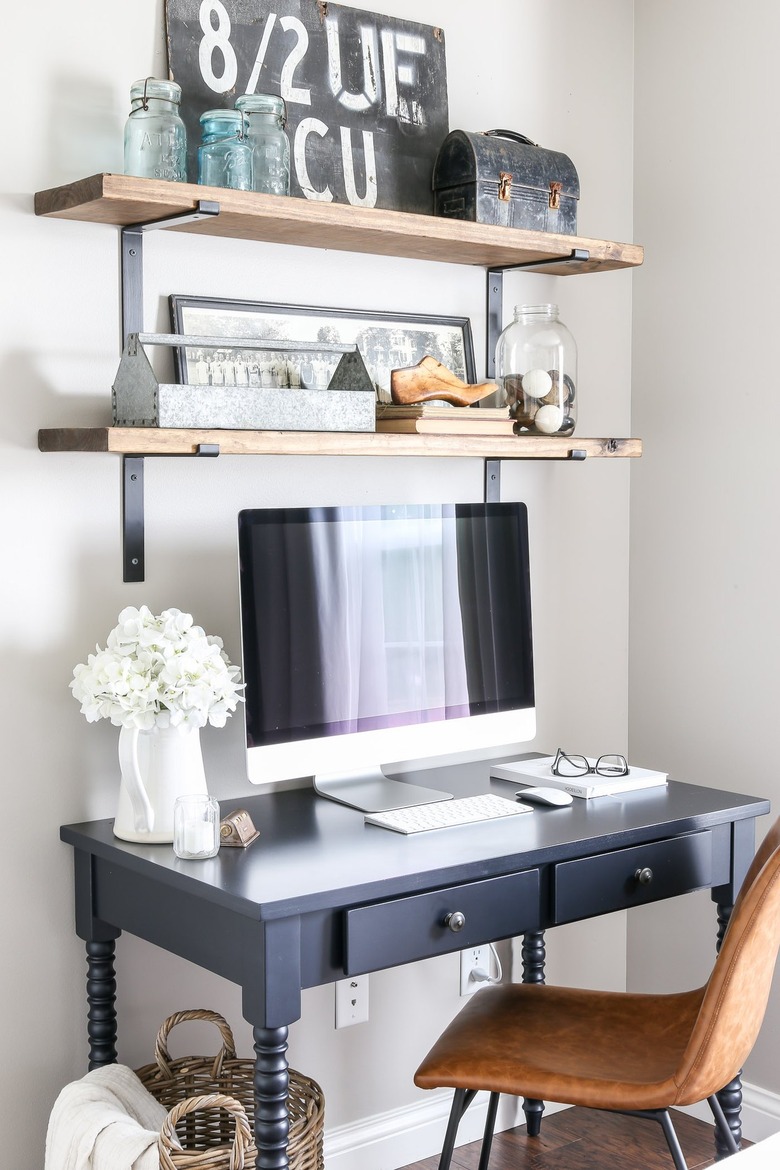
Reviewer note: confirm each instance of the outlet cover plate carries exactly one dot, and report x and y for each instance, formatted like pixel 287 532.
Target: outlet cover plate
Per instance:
pixel 470 959
pixel 351 1001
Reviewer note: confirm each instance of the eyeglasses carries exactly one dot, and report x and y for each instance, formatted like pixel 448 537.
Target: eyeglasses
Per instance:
pixel 567 765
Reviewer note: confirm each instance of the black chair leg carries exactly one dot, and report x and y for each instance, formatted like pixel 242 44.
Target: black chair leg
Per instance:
pixel 672 1140
pixel 460 1103
pixel 663 1118
pixel 490 1125
pixel 722 1124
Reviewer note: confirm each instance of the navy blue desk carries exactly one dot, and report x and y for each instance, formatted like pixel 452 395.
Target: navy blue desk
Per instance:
pixel 321 896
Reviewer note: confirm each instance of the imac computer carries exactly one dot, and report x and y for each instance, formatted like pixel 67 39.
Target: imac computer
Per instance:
pixel 380 638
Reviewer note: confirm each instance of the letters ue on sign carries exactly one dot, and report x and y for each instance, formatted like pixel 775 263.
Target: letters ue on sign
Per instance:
pixel 366 94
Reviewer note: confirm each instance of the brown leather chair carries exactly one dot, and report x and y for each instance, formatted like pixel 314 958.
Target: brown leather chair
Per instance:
pixel 623 1052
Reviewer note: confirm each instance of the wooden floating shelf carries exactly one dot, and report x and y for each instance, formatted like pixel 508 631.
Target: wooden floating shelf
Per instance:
pixel 123 200
pixel 151 441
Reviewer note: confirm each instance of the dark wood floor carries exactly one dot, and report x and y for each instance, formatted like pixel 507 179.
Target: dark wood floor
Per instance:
pixel 582 1139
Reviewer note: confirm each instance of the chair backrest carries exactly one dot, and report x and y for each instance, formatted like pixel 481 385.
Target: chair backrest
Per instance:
pixel 763 853
pixel 735 998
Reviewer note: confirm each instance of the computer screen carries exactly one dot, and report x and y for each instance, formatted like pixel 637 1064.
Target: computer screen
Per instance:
pixel 380 637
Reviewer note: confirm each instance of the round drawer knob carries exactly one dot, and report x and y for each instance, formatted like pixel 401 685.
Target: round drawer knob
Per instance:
pixel 644 876
pixel 456 921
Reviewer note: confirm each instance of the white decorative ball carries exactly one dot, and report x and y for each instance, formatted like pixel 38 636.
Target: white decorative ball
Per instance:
pixel 537 383
pixel 548 419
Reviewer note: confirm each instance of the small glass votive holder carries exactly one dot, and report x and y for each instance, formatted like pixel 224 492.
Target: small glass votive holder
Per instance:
pixel 195 827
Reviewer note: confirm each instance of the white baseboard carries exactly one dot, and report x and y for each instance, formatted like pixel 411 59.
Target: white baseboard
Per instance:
pixel 389 1140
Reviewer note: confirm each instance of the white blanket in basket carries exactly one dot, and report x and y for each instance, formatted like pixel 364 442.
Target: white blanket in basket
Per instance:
pixel 105 1121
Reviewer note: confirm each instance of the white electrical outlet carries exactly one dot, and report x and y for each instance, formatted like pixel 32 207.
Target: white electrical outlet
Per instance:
pixel 472 959
pixel 351 1001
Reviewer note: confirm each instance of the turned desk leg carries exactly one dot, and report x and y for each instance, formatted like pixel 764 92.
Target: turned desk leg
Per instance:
pixel 730 1096
pixel 272 1082
pixel 101 998
pixel 534 954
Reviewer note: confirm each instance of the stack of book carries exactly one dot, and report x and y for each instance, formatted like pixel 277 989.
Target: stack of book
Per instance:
pixel 537 772
pixel 437 418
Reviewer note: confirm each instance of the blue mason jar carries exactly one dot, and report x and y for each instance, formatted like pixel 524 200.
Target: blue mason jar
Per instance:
pixel 266 117
pixel 225 156
pixel 155 136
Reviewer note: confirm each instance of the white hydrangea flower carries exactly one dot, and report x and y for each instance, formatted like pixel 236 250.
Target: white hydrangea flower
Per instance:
pixel 158 671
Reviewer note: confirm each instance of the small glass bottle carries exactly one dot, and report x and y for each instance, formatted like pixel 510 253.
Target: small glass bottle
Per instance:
pixel 536 367
pixel 155 136
pixel 266 117
pixel 195 827
pixel 225 156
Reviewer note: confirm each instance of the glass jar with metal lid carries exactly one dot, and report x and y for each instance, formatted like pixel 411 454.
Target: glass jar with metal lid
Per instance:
pixel 266 117
pixel 224 156
pixel 155 136
pixel 536 367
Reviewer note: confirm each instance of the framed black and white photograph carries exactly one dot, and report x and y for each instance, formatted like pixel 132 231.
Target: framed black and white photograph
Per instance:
pixel 386 341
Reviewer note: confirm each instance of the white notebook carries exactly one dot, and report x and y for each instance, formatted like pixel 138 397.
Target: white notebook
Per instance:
pixel 538 772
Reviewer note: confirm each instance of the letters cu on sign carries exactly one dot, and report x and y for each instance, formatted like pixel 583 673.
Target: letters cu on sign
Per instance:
pixel 366 94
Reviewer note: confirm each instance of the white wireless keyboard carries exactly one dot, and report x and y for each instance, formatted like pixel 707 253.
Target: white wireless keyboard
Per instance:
pixel 442 814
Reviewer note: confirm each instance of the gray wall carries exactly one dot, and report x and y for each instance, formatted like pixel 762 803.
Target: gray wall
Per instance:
pixel 704 560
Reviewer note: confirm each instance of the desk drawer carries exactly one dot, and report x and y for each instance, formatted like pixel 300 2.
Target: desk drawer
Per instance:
pixel 404 929
pixel 631 877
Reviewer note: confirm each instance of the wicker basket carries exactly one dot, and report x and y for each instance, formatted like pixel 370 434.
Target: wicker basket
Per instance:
pixel 211 1104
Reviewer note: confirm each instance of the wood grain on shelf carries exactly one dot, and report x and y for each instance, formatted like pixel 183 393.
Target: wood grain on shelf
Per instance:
pixel 123 200
pixel 153 441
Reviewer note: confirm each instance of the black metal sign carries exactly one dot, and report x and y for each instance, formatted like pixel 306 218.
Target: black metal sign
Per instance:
pixel 366 94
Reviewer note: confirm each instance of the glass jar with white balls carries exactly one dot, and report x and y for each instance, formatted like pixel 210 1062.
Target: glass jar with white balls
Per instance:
pixel 536 368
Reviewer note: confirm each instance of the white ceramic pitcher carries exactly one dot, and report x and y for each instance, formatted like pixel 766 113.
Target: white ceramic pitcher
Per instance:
pixel 156 766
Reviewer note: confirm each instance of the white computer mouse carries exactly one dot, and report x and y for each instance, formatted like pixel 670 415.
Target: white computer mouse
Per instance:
pixel 553 796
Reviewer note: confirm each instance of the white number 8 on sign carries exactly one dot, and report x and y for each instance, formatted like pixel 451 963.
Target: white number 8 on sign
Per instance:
pixel 216 39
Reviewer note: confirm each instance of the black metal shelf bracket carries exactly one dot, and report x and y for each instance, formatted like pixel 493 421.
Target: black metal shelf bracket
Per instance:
pixel 132 261
pixel 492 481
pixel 133 556
pixel 495 297
pixel 133 517
pixel 132 269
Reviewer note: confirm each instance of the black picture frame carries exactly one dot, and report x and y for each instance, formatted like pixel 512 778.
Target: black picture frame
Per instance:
pixel 386 341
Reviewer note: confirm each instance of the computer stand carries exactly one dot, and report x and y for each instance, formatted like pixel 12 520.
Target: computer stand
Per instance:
pixel 371 791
